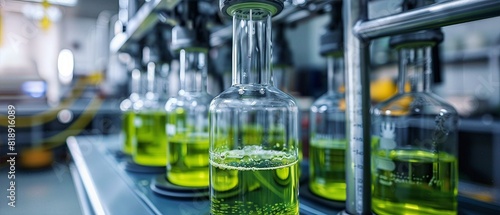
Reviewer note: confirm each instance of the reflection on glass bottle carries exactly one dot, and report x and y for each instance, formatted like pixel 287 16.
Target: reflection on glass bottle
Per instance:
pixel 187 126
pixel 253 125
pixel 414 163
pixel 150 145
pixel 128 112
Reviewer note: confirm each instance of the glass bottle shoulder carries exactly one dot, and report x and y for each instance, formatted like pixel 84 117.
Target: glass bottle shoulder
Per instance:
pixel 254 96
pixel 189 99
pixel 330 101
pixel 414 103
pixel 144 104
pixel 127 104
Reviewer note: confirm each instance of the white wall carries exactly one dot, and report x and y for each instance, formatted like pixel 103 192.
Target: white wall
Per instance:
pixel 78 35
pixel 27 50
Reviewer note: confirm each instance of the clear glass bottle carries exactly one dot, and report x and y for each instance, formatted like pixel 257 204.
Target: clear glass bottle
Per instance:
pixel 414 149
pixel 151 142
pixel 127 134
pixel 253 125
pixel 187 127
pixel 328 141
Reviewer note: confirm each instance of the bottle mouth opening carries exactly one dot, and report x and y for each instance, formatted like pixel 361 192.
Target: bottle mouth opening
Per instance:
pixel 273 7
pixel 251 13
pixel 417 39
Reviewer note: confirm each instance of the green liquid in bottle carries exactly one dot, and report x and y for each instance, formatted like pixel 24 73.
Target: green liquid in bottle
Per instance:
pixel 188 161
pixel 254 181
pixel 414 182
pixel 151 146
pixel 327 170
pixel 128 130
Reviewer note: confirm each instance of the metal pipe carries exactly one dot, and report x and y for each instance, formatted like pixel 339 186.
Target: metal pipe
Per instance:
pixel 356 55
pixel 433 16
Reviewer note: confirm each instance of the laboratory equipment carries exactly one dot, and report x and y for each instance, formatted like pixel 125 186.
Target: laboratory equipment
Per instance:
pixel 253 125
pixel 359 31
pixel 187 126
pixel 150 147
pixel 414 155
pixel 327 119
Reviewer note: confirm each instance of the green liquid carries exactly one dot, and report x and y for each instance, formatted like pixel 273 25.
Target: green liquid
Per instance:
pixel 188 161
pixel 128 130
pixel 254 181
pixel 251 135
pixel 275 138
pixel 327 168
pixel 151 147
pixel 414 182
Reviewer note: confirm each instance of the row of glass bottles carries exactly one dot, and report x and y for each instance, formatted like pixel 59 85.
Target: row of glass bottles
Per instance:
pixel 253 133
pixel 414 145
pixel 155 128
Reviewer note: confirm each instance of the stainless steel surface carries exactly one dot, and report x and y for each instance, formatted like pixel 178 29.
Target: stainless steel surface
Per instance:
pixel 106 191
pixel 437 15
pixel 105 167
pixel 40 191
pixel 85 177
pixel 80 190
pixel 358 115
pixel 143 21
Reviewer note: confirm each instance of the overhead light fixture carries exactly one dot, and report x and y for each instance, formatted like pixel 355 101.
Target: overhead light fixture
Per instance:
pixel 67 3
pixel 37 12
pixel 65 65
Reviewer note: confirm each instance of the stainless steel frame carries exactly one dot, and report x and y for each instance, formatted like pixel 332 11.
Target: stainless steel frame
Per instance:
pixel 358 33
pixel 145 19
pixel 443 14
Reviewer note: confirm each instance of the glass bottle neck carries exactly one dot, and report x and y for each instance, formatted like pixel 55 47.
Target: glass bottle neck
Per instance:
pixel 251 46
pixel 150 75
pixel 135 84
pixel 193 71
pixel 335 73
pixel 415 69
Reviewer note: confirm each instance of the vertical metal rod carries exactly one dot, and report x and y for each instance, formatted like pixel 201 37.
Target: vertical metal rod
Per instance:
pixel 496 159
pixel 358 115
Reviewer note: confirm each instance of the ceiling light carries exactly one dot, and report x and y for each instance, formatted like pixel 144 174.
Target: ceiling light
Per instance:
pixel 67 3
